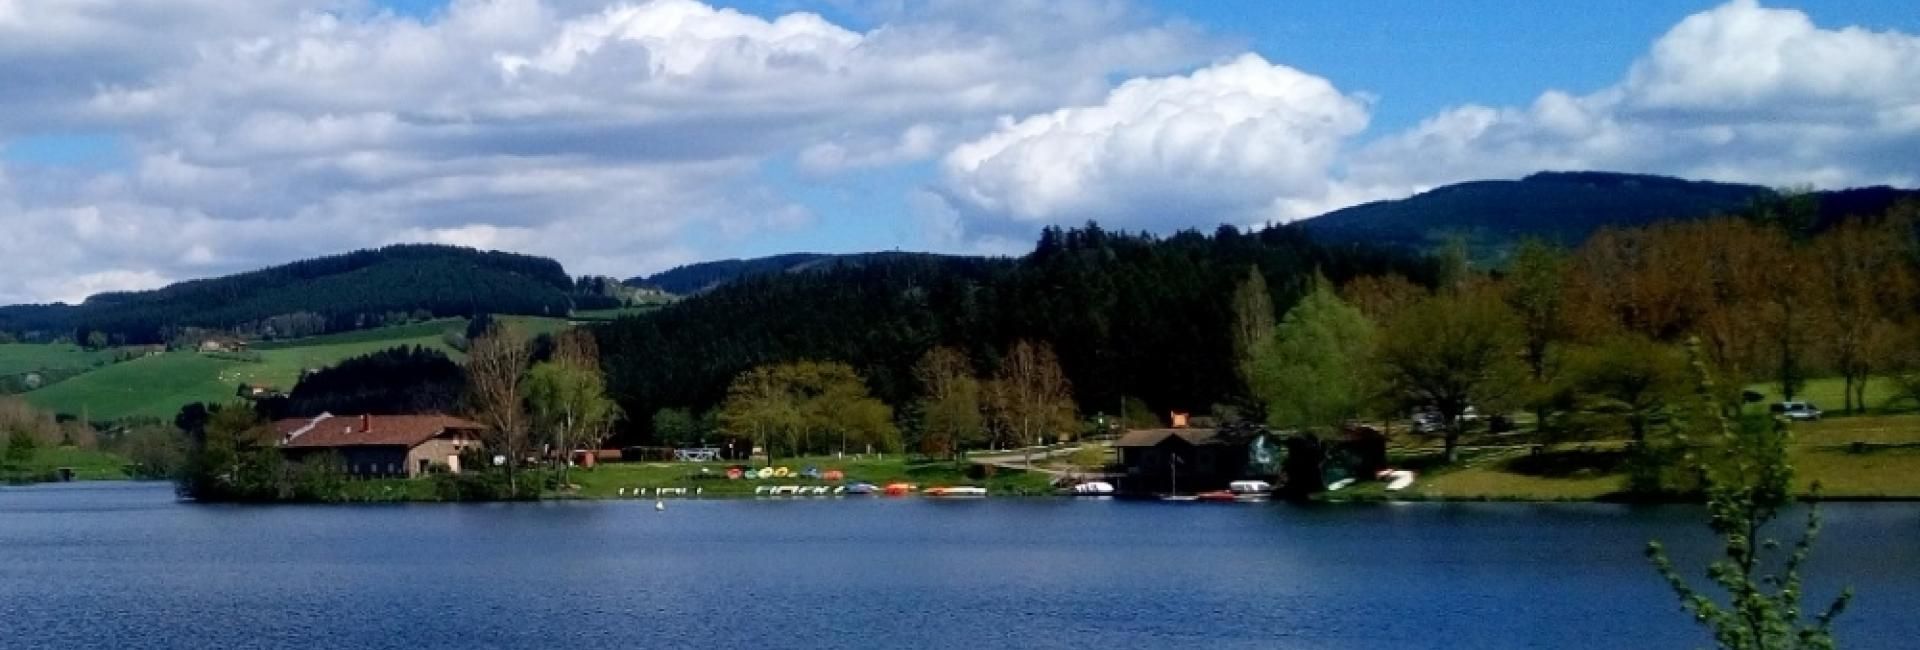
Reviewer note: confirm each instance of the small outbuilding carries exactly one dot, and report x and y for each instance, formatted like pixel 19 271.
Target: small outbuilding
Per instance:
pixel 1170 461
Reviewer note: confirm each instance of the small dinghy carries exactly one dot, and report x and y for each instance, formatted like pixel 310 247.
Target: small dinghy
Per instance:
pixel 1397 479
pixel 1093 488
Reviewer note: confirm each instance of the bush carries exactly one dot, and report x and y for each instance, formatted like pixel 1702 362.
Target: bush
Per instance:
pixel 321 478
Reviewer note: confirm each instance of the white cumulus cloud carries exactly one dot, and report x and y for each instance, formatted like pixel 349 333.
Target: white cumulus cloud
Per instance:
pixel 1228 141
pixel 610 134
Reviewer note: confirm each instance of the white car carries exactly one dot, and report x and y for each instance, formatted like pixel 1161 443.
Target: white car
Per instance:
pixel 1796 411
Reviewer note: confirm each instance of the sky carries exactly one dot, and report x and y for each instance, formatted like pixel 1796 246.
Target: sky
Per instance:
pixel 144 142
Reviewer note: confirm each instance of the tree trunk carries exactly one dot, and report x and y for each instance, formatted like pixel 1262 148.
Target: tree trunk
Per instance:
pixel 1451 451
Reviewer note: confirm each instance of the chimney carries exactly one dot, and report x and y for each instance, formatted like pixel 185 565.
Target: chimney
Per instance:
pixel 366 423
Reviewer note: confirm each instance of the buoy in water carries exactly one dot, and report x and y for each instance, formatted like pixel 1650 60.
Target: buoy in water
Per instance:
pixel 659 505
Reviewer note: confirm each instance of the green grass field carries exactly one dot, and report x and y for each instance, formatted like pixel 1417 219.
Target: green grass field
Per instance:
pixel 424 329
pixel 1864 457
pixel 17 358
pixel 1828 394
pixel 157 386
pixel 87 465
pixel 614 314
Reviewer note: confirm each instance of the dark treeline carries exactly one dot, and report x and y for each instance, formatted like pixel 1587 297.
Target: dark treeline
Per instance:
pixel 1130 315
pixel 392 381
pixel 328 294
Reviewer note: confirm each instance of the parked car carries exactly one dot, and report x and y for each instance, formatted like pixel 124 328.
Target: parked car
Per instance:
pixel 1797 411
pixel 1429 421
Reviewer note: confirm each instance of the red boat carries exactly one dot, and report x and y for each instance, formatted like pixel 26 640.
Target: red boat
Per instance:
pixel 1216 495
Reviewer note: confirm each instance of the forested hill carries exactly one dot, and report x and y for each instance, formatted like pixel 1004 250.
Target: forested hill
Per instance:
pixel 695 278
pixel 340 292
pixel 1129 315
pixel 1566 207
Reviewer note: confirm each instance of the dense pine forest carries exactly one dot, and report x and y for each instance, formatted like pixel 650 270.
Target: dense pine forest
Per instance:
pixel 329 294
pixel 1130 315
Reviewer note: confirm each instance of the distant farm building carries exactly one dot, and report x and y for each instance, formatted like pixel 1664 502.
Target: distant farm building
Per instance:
pixel 381 446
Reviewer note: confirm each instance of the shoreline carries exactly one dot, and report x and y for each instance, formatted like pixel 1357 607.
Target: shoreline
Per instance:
pixel 1320 500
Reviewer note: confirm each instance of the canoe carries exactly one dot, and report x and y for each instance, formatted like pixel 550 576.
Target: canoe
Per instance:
pixel 957 491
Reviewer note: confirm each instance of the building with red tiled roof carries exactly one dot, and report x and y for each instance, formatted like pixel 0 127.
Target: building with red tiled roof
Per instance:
pixel 381 445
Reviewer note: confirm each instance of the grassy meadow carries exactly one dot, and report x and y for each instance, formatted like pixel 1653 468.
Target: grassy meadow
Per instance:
pixel 157 386
pixel 16 358
pixel 1862 457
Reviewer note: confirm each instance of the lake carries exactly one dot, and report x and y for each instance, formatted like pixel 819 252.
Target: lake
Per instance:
pixel 124 565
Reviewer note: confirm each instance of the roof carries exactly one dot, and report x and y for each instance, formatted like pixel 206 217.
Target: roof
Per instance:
pixel 1153 437
pixel 330 430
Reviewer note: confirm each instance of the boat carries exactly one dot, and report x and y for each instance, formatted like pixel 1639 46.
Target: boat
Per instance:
pixel 1339 485
pixel 1250 487
pixel 1217 495
pixel 1179 497
pixel 957 491
pixel 862 488
pixel 898 489
pixel 1092 488
pixel 1397 480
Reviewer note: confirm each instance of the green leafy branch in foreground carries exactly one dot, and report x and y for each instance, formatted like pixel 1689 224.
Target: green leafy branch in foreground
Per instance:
pixel 1746 489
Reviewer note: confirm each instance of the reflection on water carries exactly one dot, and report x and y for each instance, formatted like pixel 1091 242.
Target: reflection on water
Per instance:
pixel 125 566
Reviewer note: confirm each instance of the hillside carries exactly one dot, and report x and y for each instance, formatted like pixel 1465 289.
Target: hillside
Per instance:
pixel 1566 207
pixel 697 278
pixel 329 294
pixel 1138 316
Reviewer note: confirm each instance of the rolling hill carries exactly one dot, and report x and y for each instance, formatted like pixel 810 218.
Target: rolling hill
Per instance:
pixel 1566 207
pixel 330 294
pixel 691 279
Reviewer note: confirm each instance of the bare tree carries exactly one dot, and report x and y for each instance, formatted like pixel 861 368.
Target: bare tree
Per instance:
pixel 496 376
pixel 1031 396
pixel 950 405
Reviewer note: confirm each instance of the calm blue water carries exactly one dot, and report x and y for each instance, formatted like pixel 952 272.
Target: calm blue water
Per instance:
pixel 125 566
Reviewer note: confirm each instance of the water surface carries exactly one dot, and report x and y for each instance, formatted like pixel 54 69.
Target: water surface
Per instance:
pixel 126 566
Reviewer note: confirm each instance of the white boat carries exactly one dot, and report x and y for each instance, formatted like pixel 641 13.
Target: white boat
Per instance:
pixel 1397 480
pixel 1179 497
pixel 1339 485
pixel 957 491
pixel 1093 488
pixel 1250 487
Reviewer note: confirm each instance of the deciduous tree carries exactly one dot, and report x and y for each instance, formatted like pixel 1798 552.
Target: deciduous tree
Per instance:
pixel 950 408
pixel 1456 350
pixel 1030 397
pixel 569 397
pixel 496 378
pixel 1863 284
pixel 1748 479
pixel 1628 382
pixel 1316 372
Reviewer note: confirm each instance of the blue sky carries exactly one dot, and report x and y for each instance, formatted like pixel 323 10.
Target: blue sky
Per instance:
pixel 148 141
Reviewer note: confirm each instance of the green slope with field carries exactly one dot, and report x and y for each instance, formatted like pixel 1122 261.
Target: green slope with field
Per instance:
pixel 157 386
pixel 16 358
